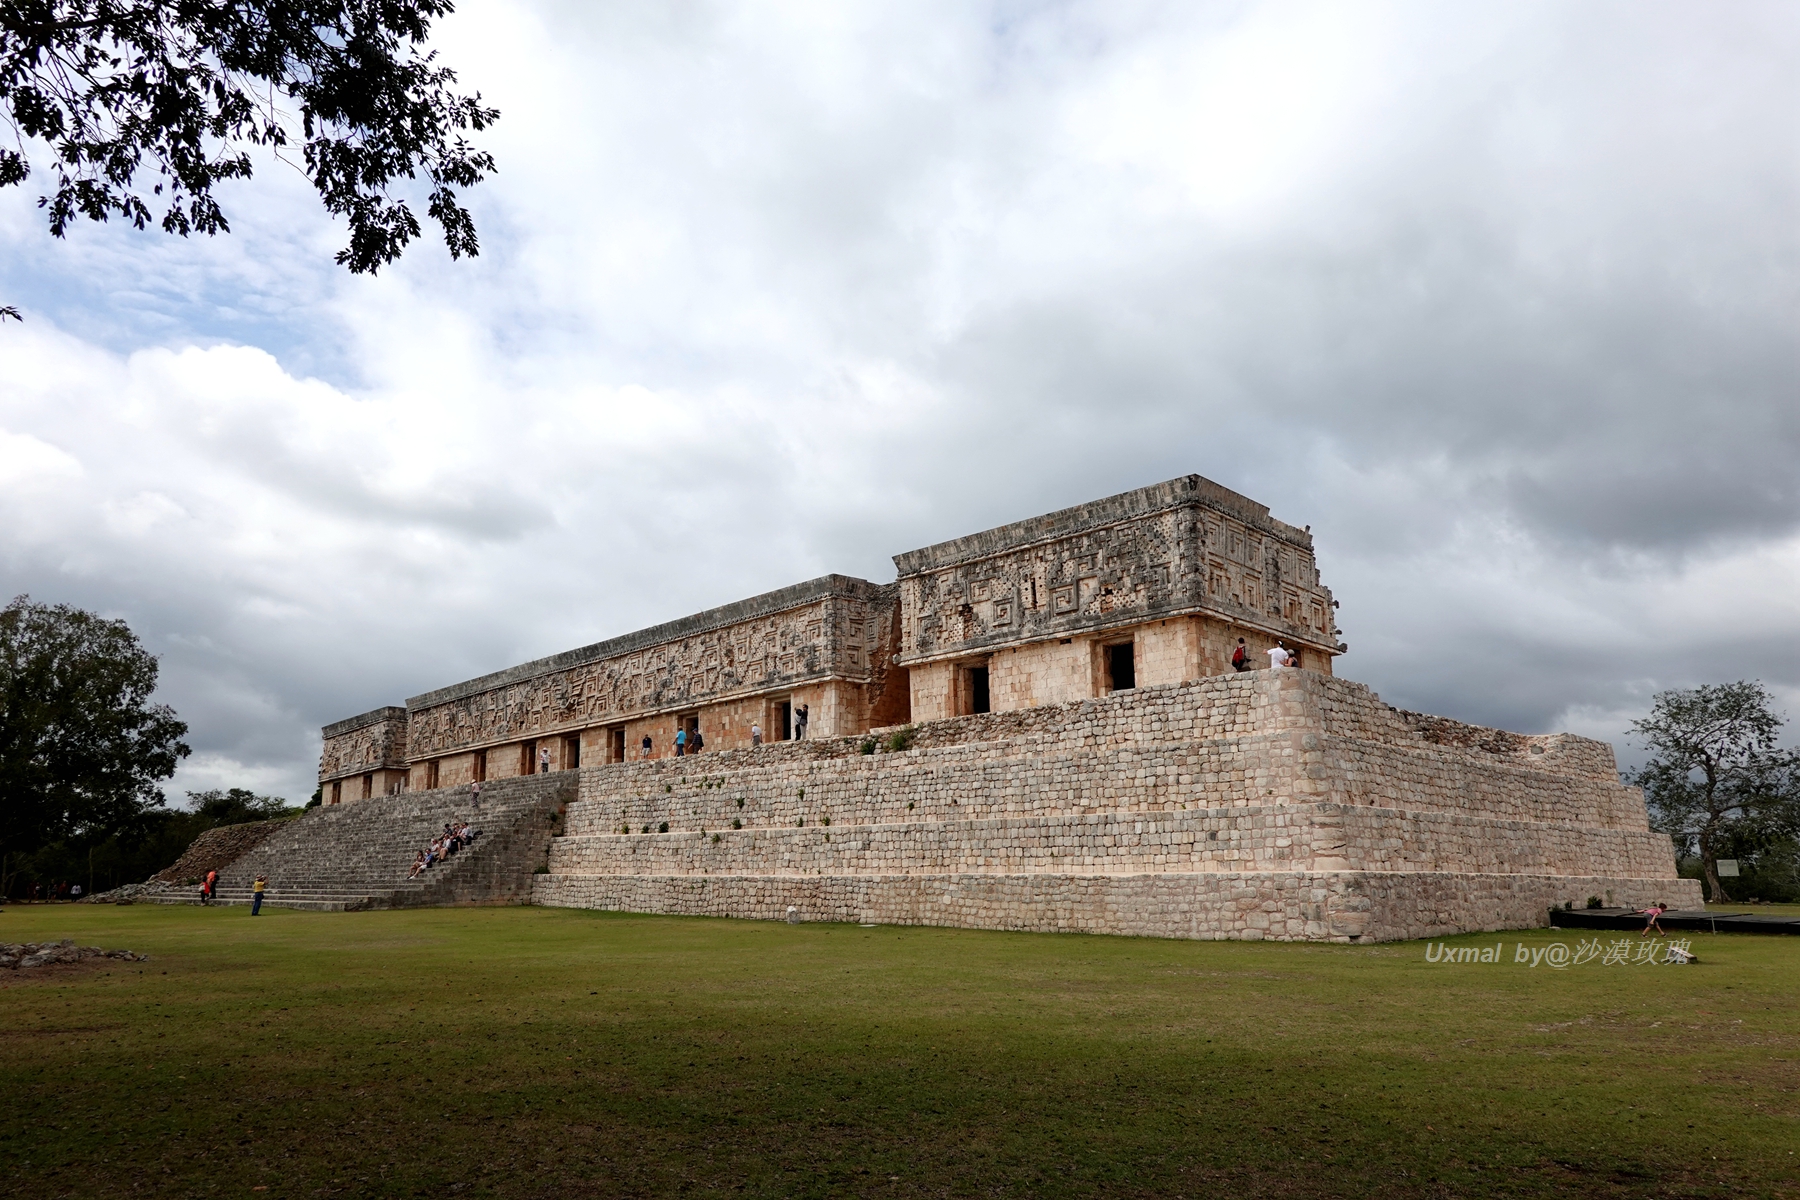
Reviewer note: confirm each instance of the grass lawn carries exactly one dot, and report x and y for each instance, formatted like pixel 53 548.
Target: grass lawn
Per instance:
pixel 543 1052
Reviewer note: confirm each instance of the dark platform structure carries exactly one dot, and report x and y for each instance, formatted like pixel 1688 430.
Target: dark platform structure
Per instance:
pixel 1685 920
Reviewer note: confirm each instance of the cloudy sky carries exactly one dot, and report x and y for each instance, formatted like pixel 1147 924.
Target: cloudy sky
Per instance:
pixel 1500 299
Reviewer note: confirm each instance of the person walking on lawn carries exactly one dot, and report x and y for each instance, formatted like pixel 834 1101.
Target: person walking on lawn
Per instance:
pixel 212 887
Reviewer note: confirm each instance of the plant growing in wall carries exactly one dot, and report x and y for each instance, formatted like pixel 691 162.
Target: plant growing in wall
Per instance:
pixel 902 739
pixel 663 828
pixel 736 824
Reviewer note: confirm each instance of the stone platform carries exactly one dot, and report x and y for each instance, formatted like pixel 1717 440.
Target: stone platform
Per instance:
pixel 1274 804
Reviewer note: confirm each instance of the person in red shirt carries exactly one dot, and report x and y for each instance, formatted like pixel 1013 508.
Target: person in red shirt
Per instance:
pixel 1240 658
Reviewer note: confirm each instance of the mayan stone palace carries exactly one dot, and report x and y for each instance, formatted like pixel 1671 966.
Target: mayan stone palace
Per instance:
pixel 1036 727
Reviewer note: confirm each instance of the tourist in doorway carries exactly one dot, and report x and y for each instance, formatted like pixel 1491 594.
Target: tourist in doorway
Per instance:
pixel 256 894
pixel 544 761
pixel 680 741
pixel 646 745
pixel 800 722
pixel 1278 656
pixel 696 742
pixel 755 734
pixel 1240 658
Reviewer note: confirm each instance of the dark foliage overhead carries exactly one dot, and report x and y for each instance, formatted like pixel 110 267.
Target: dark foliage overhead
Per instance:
pixel 81 745
pixel 116 88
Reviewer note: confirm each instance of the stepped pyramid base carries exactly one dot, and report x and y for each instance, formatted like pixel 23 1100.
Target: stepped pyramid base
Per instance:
pixel 1284 805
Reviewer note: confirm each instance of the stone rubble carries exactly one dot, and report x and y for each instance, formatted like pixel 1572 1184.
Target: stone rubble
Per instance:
pixel 24 956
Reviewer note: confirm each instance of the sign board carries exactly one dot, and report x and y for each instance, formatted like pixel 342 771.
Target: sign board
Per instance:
pixel 1727 868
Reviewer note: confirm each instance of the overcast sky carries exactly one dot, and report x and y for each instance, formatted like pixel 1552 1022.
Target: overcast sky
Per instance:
pixel 1500 299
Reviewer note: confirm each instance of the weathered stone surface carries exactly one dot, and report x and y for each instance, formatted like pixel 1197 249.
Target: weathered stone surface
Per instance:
pixel 216 849
pixel 1284 804
pixel 1078 752
pixel 26 955
pixel 1174 548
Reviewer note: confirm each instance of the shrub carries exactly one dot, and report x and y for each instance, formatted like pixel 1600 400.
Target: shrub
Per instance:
pixel 902 739
pixel 740 802
pixel 663 828
pixel 736 824
pixel 827 818
pixel 1596 902
pixel 868 745
pixel 715 837
pixel 646 829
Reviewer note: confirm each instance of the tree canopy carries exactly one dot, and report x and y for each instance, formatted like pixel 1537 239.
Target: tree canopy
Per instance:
pixel 1717 779
pixel 177 89
pixel 82 747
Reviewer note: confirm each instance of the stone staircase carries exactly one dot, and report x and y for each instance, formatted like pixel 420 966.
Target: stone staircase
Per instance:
pixel 356 856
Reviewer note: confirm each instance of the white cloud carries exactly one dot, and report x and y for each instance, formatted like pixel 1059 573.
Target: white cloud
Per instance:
pixel 1499 301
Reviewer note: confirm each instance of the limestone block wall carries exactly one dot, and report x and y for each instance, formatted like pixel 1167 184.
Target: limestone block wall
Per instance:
pixel 1150 797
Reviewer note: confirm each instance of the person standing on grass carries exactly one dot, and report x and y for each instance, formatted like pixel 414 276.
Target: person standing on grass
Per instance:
pixel 256 895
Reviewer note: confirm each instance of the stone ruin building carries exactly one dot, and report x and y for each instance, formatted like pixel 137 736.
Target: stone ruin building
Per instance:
pixel 1036 727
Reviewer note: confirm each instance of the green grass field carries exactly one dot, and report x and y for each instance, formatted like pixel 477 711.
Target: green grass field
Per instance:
pixel 537 1052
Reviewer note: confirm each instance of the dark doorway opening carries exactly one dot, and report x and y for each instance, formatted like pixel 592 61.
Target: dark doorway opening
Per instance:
pixel 571 753
pixel 528 758
pixel 787 720
pixel 615 738
pixel 1121 666
pixel 431 774
pixel 478 768
pixel 978 689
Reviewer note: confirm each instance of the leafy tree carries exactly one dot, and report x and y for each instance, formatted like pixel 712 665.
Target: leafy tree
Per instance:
pixel 114 88
pixel 1716 778
pixel 81 745
pixel 234 806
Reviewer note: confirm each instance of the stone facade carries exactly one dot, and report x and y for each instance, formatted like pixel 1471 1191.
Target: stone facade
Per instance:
pixel 364 756
pixel 1152 586
pixel 1037 611
pixel 1281 804
pixel 1035 727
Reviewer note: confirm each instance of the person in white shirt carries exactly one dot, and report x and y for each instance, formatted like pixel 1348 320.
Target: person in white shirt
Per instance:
pixel 756 735
pixel 1278 656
